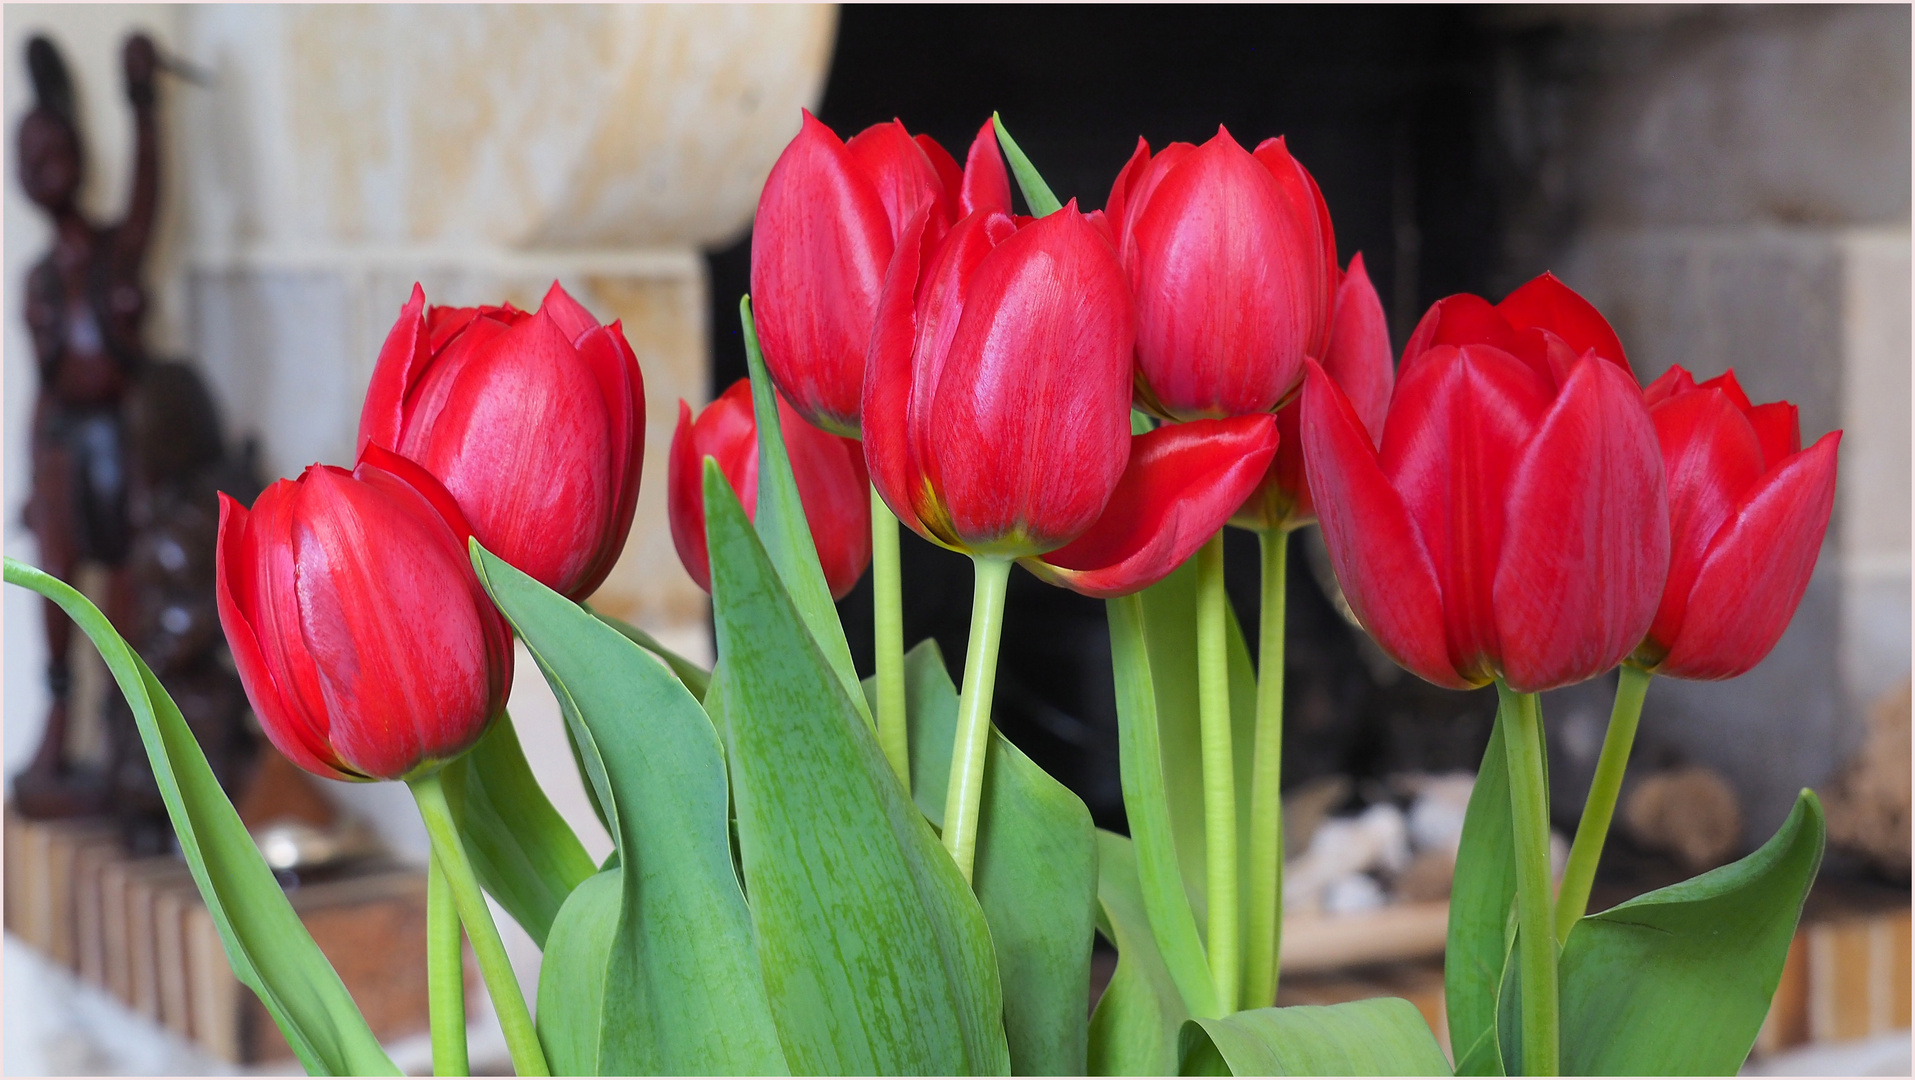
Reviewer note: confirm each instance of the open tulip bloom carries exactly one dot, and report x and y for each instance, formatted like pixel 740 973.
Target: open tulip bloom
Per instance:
pixel 818 875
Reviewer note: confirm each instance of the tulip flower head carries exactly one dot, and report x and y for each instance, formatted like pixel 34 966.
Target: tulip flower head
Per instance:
pixel 829 471
pixel 1748 508
pixel 535 422
pixel 1512 522
pixel 997 410
pixel 827 223
pixel 1232 261
pixel 1358 360
pixel 365 643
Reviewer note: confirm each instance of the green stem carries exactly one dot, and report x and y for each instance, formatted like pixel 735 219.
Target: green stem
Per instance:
pixel 887 621
pixel 1593 830
pixel 1220 779
pixel 528 1059
pixel 445 977
pixel 1265 931
pixel 965 793
pixel 1529 824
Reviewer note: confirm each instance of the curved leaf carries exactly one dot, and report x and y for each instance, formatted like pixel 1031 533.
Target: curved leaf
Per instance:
pixel 1378 1037
pixel 689 994
pixel 1037 194
pixel 267 945
pixel 695 678
pixel 1481 900
pixel 572 975
pixel 1678 981
pixel 1036 875
pixel 523 852
pixel 877 957
pixel 780 520
pixel 1134 1031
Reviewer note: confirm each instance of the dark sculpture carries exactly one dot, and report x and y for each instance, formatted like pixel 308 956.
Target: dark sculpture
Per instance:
pixel 127 457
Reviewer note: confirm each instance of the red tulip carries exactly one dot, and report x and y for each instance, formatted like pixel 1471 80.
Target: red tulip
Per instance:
pixel 1747 510
pixel 534 422
pixel 362 636
pixel 827 222
pixel 1508 525
pixel 998 409
pixel 1233 263
pixel 1358 360
pixel 829 471
pixel 1545 324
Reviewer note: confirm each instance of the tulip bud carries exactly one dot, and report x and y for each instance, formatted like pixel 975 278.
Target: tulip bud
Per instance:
pixel 534 422
pixel 829 471
pixel 827 223
pixel 366 645
pixel 1233 264
pixel 1358 360
pixel 1510 525
pixel 1748 508
pixel 997 410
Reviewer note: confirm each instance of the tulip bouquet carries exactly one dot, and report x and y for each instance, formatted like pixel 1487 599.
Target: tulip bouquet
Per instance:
pixel 817 874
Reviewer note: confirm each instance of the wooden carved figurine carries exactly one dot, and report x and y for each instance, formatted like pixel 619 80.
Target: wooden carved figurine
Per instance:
pixel 84 306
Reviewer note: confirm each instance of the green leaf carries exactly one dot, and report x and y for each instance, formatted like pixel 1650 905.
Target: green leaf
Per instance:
pixel 268 947
pixel 695 678
pixel 523 852
pixel 689 996
pixel 876 955
pixel 780 520
pixel 1036 874
pixel 572 975
pixel 1134 1031
pixel 1678 981
pixel 1140 758
pixel 1037 194
pixel 1378 1037
pixel 1482 898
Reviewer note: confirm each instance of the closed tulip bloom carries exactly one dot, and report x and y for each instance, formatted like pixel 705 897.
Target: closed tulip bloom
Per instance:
pixel 366 645
pixel 829 470
pixel 534 421
pixel 1545 324
pixel 1357 358
pixel 1233 263
pixel 1747 511
pixel 998 410
pixel 1512 523
pixel 827 222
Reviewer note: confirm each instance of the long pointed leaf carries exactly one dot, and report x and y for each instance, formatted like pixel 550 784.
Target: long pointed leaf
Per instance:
pixel 685 994
pixel 1036 875
pixel 1173 922
pixel 267 945
pixel 1480 904
pixel 1378 1037
pixel 1134 1031
pixel 572 975
pixel 1678 981
pixel 781 523
pixel 877 957
pixel 695 678
pixel 523 852
pixel 1037 194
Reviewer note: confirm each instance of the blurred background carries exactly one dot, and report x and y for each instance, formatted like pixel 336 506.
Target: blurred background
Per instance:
pixel 1731 186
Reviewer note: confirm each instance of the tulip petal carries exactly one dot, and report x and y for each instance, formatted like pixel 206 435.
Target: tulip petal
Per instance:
pixel 1711 458
pixel 1378 554
pixel 1116 206
pixel 574 321
pixel 684 501
pixel 401 361
pixel 1757 569
pixel 1181 483
pixel 1586 541
pixel 1675 381
pixel 821 240
pixel 609 357
pixel 1778 427
pixel 987 184
pixel 945 166
pixel 834 491
pixel 1463 319
pixel 1546 303
pixel 273 582
pixel 887 383
pixel 290 731
pixel 898 169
